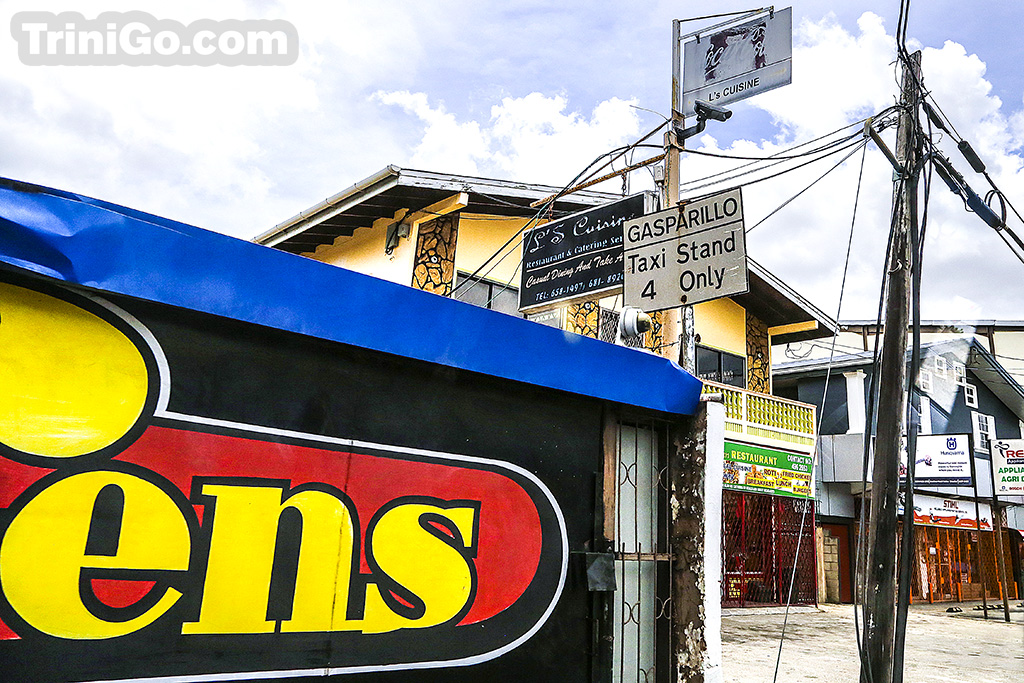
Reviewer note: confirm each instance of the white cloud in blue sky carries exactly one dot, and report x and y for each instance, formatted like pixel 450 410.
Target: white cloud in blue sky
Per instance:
pixel 530 91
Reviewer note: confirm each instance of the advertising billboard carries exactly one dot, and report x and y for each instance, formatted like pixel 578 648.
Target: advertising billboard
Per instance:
pixel 187 498
pixel 576 257
pixel 941 460
pixel 1008 466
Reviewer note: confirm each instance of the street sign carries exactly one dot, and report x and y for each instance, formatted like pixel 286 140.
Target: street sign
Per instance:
pixel 576 257
pixel 686 255
pixel 738 61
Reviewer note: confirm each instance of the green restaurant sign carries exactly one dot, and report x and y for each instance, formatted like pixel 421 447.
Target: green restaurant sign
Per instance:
pixel 754 469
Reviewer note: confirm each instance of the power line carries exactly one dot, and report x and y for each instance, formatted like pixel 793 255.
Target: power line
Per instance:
pixel 862 145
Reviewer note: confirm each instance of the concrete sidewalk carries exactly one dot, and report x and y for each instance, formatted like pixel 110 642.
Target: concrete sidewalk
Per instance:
pixel 821 645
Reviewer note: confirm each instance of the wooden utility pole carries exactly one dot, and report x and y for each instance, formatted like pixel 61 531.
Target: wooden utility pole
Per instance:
pixel 880 579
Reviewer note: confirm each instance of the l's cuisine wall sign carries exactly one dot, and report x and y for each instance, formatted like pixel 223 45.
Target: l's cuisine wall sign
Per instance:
pixel 139 543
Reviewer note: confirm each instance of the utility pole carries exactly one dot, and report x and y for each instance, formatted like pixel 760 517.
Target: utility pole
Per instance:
pixel 880 580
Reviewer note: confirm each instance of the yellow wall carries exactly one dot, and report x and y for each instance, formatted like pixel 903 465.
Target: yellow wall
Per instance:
pixel 481 236
pixel 364 252
pixel 722 325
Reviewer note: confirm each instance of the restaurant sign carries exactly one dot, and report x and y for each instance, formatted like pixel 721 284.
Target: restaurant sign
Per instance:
pixel 756 469
pixel 576 257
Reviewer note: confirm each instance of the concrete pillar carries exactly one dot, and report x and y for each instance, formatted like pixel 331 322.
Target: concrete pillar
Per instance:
pixel 855 407
pixel 695 465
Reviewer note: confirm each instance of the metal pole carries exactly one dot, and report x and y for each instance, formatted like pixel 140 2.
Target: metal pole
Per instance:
pixel 997 529
pixel 677 322
pixel 880 599
pixel 977 518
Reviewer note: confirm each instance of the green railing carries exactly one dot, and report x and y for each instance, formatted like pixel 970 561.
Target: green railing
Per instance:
pixel 769 420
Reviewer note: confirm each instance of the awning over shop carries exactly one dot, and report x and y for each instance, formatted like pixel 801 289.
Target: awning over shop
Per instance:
pixel 106 247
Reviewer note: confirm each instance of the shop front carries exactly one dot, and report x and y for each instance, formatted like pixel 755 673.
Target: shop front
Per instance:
pixel 768 547
pixel 956 557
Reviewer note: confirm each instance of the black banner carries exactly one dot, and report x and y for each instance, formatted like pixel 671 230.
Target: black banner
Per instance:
pixel 577 256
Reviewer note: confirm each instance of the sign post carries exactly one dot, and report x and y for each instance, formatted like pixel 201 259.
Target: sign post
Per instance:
pixel 686 255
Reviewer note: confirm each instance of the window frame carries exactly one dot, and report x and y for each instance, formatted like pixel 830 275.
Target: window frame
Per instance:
pixel 970 395
pixel 462 276
pixel 983 437
pixel 720 379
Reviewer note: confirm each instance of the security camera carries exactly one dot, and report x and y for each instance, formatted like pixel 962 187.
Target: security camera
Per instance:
pixel 633 322
pixel 706 110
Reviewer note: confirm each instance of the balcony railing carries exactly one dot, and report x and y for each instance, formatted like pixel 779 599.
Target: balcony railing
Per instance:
pixel 762 419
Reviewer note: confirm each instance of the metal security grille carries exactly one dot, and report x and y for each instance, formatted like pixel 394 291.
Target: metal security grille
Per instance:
pixel 958 565
pixel 642 611
pixel 760 539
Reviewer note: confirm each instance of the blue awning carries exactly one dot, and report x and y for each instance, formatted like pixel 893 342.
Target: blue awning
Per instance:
pixel 111 248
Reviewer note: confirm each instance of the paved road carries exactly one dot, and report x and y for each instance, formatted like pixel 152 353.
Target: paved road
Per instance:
pixel 820 646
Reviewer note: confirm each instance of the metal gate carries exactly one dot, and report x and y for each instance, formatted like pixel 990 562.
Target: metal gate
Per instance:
pixel 642 610
pixel 761 536
pixel 958 565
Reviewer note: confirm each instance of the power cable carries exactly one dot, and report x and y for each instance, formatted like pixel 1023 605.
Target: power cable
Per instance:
pixel 862 145
pixel 817 427
pixel 544 207
pixel 853 141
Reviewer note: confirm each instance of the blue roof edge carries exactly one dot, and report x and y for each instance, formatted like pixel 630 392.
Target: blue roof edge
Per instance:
pixel 107 247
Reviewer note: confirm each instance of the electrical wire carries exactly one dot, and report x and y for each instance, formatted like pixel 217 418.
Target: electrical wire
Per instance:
pixel 775 159
pixel 846 144
pixel 581 177
pixel 817 427
pixel 862 145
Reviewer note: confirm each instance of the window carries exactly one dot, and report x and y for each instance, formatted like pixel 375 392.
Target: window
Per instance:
pixel 940 366
pixel 719 366
pixel 925 424
pixel 984 431
pixel 970 395
pixel 497 296
pixel 924 381
pixel 959 373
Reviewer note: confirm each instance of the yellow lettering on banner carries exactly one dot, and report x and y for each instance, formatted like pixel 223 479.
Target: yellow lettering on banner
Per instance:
pixel 71 382
pixel 242 547
pixel 423 559
pixel 43 552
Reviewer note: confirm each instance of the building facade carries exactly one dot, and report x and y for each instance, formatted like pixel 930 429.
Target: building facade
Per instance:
pixel 459 236
pixel 967 542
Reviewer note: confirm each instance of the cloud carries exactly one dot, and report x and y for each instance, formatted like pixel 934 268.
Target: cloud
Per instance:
pixel 446 143
pixel 839 78
pixel 531 138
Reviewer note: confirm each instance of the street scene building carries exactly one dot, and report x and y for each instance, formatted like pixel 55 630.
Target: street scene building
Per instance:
pixel 961 389
pixel 435 231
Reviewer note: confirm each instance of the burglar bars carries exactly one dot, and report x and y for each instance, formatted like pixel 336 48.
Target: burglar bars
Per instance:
pixel 642 608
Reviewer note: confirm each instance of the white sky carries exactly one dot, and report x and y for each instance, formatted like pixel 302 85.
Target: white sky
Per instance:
pixel 530 91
